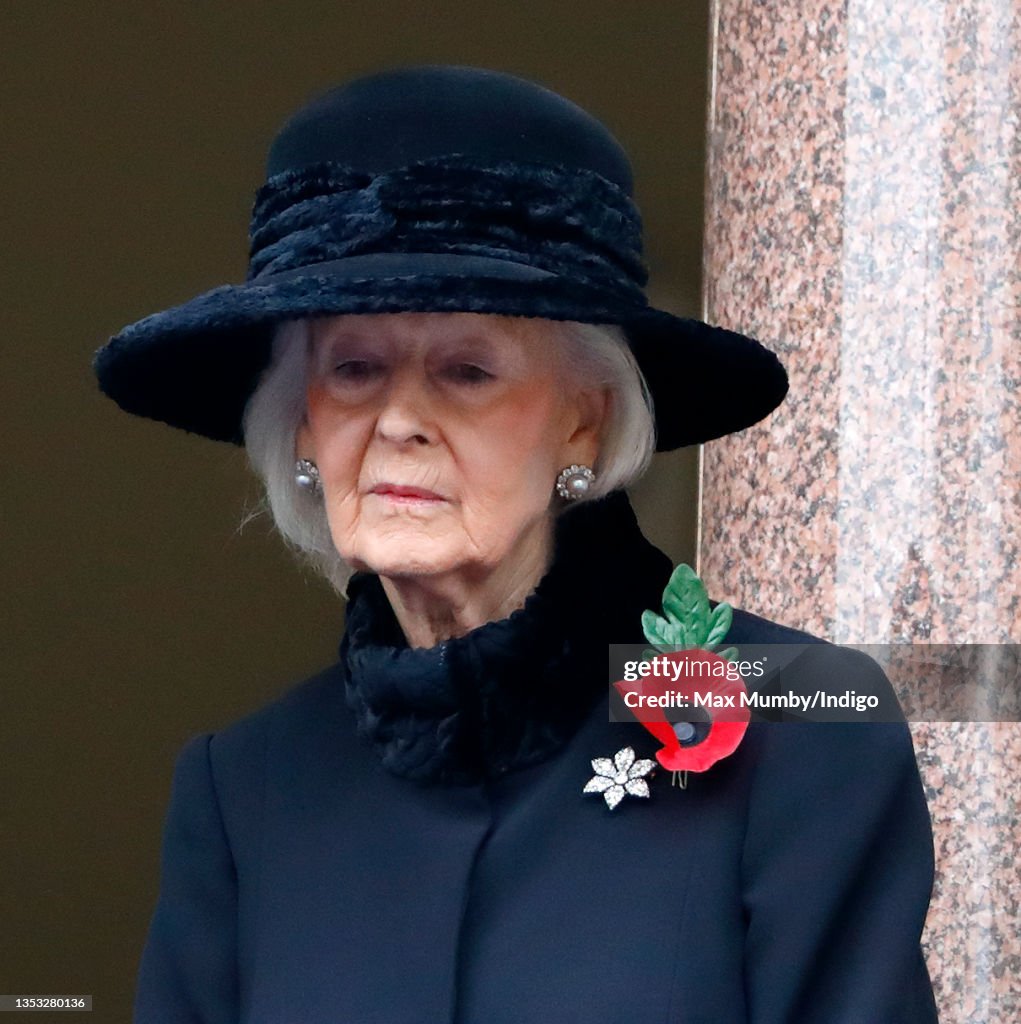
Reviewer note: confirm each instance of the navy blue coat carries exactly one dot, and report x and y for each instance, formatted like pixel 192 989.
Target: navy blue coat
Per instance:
pixel 305 880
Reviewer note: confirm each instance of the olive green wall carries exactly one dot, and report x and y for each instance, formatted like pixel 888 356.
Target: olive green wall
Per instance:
pixel 136 614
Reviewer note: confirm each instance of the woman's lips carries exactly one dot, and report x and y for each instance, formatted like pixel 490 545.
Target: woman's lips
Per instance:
pixel 399 493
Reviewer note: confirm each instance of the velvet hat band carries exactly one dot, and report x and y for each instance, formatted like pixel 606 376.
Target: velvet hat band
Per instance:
pixel 567 221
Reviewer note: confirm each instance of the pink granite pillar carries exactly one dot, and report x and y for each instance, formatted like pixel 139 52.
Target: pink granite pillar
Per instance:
pixel 864 219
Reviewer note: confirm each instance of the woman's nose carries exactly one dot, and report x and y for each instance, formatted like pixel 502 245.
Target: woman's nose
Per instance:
pixel 406 414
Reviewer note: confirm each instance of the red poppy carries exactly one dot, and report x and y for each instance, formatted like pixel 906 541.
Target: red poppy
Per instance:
pixel 720 704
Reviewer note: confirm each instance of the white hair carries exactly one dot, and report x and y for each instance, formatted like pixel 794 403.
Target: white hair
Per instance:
pixel 592 355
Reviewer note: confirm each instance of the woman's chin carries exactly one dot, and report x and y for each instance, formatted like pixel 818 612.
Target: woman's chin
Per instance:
pixel 404 560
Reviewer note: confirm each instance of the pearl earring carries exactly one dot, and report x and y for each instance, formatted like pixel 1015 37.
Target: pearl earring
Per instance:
pixel 306 476
pixel 575 482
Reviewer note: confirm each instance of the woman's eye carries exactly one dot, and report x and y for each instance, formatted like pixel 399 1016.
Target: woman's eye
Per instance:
pixel 356 369
pixel 469 373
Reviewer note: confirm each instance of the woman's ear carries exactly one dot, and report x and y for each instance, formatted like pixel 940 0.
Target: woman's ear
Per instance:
pixel 591 407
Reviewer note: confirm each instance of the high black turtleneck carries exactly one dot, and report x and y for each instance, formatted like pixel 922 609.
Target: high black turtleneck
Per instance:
pixel 509 693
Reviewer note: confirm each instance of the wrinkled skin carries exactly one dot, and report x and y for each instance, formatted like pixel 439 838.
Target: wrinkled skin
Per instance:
pixel 438 438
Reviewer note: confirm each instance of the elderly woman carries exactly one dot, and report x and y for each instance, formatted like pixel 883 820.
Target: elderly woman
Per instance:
pixel 444 369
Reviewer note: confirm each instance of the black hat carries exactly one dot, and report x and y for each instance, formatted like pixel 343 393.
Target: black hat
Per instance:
pixel 442 188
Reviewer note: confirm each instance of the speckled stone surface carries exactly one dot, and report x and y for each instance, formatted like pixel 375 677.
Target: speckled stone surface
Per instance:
pixel 863 219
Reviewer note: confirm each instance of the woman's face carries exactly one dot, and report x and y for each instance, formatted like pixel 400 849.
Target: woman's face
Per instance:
pixel 439 436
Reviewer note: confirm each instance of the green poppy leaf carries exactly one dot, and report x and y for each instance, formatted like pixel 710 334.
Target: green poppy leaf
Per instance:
pixel 672 633
pixel 655 628
pixel 686 604
pixel 719 623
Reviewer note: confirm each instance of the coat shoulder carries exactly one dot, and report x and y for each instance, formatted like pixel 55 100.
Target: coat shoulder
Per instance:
pixel 811 663
pixel 302 706
pixel 747 627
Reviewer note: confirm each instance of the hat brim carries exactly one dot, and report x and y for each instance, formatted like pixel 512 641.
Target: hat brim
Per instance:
pixel 195 365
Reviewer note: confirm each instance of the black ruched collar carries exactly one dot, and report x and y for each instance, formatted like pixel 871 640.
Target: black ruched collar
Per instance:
pixel 511 692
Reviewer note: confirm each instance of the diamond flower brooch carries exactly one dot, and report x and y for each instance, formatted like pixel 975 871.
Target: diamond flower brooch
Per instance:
pixel 621 775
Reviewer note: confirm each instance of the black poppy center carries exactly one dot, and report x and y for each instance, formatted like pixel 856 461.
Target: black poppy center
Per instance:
pixel 694 728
